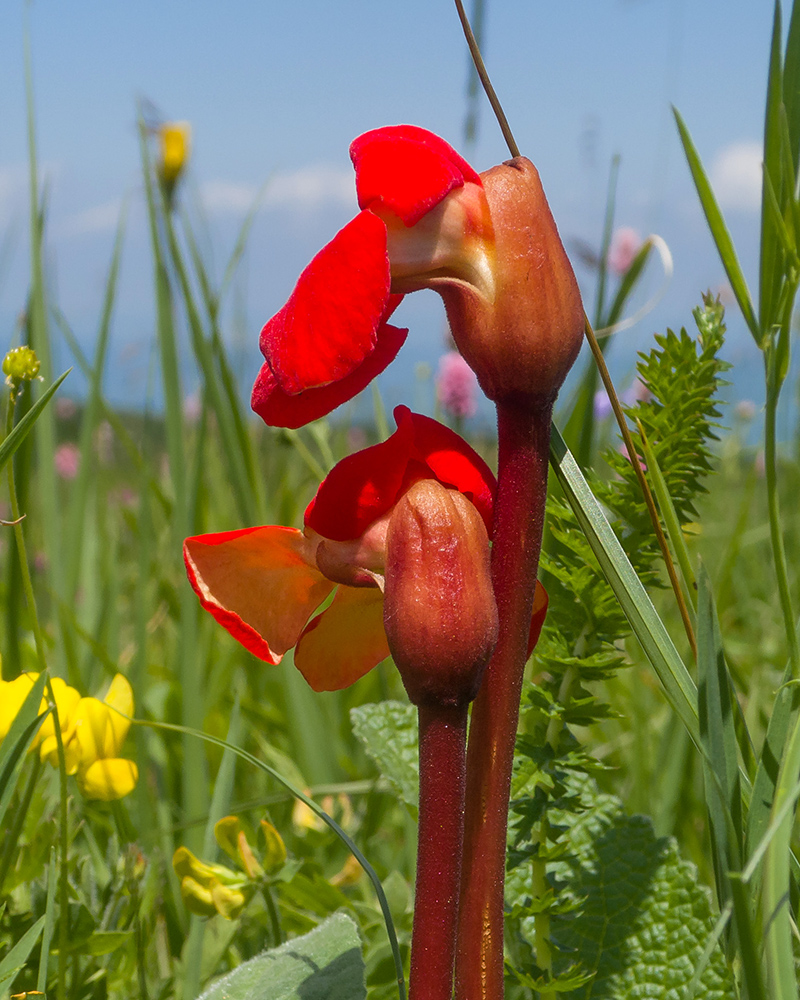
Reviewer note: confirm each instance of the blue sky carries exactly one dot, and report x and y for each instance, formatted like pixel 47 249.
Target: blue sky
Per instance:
pixel 275 92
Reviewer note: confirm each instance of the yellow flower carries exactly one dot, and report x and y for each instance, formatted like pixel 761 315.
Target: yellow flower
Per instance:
pixel 175 138
pixel 12 695
pixel 92 732
pixel 67 699
pixel 209 889
pixel 100 728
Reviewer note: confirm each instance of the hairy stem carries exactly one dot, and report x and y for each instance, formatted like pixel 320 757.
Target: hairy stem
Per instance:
pixel 524 436
pixel 442 768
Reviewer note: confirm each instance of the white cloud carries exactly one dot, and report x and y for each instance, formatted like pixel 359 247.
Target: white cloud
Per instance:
pixel 227 196
pixel 306 189
pixel 98 219
pixel 736 176
pixel 311 187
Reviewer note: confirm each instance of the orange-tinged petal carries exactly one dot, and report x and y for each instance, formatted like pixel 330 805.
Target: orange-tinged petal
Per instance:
pixel 108 779
pixel 345 641
pixel 258 583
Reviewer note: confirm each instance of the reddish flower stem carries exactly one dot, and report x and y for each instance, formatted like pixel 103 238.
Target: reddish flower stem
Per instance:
pixel 442 771
pixel 524 438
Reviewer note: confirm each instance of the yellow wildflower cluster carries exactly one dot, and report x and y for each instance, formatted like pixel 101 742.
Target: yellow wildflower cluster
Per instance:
pixel 92 731
pixel 210 888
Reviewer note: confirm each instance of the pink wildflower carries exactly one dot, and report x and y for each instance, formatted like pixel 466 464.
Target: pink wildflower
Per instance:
pixel 456 385
pixel 67 460
pixel 625 244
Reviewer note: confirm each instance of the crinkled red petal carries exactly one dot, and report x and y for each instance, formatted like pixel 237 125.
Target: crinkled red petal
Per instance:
pixel 363 487
pixel 407 170
pixel 258 584
pixel 345 641
pixel 330 323
pixel 540 602
pixel 278 409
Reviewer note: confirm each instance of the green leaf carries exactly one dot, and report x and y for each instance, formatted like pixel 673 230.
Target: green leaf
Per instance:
pixel 720 766
pixel 644 918
pixel 388 731
pixel 719 231
pixel 325 964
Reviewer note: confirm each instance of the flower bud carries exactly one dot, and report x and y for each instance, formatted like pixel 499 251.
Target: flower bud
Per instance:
pixel 439 610
pixel 523 339
pixel 20 365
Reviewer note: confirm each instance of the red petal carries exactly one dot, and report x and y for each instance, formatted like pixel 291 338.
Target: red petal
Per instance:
pixel 345 641
pixel 278 409
pixel 257 584
pixel 330 323
pixel 540 601
pixel 363 487
pixel 407 169
pixel 452 461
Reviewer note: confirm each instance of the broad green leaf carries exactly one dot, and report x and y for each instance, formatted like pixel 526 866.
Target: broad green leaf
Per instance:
pixel 637 606
pixel 388 731
pixel 720 765
pixel 719 231
pixel 644 918
pixel 325 964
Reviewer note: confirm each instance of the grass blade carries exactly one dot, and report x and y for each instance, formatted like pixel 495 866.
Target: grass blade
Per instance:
pixel 719 231
pixel 771 262
pixel 328 820
pixel 644 620
pixel 15 960
pixel 17 740
pixel 23 428
pixel 791 84
pixel 49 924
pixel 717 731
pixel 89 423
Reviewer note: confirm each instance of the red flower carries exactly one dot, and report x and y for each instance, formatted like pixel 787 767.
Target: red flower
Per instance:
pixel 487 243
pixel 265 584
